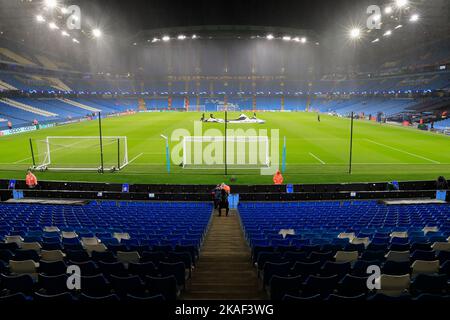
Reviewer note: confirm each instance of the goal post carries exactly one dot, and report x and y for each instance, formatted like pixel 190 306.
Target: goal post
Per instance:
pixel 81 153
pixel 241 152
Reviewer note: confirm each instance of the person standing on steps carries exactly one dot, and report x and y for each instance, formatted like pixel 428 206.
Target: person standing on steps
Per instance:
pixel 224 202
pixel 217 195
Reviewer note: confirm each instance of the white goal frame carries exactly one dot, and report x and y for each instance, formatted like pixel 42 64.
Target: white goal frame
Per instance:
pixel 47 160
pixel 228 139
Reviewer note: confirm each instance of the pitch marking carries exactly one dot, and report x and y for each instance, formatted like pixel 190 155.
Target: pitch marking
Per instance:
pixel 57 149
pixel 317 158
pixel 403 151
pixel 135 158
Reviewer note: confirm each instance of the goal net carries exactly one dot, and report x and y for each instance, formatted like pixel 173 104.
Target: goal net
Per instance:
pixel 81 153
pixel 214 152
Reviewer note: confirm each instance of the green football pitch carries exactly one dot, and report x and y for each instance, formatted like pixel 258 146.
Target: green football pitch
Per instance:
pixel 316 152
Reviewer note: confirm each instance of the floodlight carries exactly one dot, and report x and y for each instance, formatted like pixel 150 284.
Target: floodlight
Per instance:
pixel 64 10
pixel 97 33
pixel 398 27
pixel 387 33
pixel 75 40
pixel 287 38
pixel 355 33
pixel 165 38
pixel 50 3
pixel 53 26
pixel 303 40
pixel 388 10
pixel 40 18
pixel 194 36
pixel 296 39
pixel 414 17
pixel 65 34
pixel 155 40
pixel 269 37
pixel 181 37
pixel 377 17
pixel 376 40
pixel 401 3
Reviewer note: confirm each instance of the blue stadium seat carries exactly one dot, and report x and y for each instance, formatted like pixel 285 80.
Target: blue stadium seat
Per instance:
pixel 143 269
pixel 165 286
pixel 275 269
pixel 65 297
pixel 53 284
pixel 352 285
pixel 132 285
pixel 17 284
pixel 282 286
pixel 320 285
pixel 52 268
pixel 95 286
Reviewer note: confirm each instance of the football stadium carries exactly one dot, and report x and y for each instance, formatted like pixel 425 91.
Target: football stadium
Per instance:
pixel 224 159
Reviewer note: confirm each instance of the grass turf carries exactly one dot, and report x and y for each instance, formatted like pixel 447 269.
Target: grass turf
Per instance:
pixel 316 152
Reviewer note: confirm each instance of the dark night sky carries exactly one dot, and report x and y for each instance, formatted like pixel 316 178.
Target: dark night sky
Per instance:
pixel 134 15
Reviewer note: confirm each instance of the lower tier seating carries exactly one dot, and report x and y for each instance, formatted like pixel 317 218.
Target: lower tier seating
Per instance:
pixel 327 250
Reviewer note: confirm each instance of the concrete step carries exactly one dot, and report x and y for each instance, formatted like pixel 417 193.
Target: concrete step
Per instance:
pixel 224 270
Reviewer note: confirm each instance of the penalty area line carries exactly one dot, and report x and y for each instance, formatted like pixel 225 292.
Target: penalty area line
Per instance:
pixel 317 158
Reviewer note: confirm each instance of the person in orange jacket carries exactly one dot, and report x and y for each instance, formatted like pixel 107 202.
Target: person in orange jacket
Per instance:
pixel 226 188
pixel 278 178
pixel 31 180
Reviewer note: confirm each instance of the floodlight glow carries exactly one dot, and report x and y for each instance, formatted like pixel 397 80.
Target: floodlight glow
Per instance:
pixel 401 3
pixel 376 40
pixel 377 17
pixel 50 3
pixel 387 33
pixel 53 26
pixel 194 36
pixel 269 36
pixel 155 40
pixel 165 38
pixel 97 33
pixel 65 34
pixel 303 40
pixel 181 37
pixel 40 18
pixel 398 27
pixel 355 33
pixel 414 17
pixel 296 39
pixel 75 40
pixel 287 38
pixel 388 10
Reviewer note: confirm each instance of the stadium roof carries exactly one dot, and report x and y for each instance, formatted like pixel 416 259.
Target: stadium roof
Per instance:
pixel 226 32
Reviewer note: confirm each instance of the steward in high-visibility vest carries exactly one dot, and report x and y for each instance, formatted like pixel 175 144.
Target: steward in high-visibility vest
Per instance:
pixel 278 178
pixel 31 180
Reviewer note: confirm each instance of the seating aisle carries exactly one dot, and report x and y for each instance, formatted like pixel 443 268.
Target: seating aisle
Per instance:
pixel 224 270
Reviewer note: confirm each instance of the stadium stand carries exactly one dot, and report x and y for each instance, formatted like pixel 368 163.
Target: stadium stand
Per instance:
pixel 328 246
pixel 443 125
pixel 129 250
